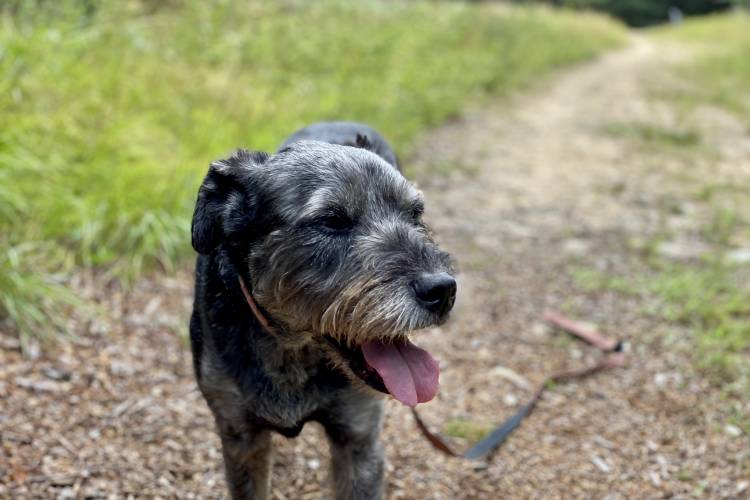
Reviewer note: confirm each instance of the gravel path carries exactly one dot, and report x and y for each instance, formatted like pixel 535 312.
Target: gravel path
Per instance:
pixel 531 191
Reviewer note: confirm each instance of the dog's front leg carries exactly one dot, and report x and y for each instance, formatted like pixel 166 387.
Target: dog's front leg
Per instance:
pixel 247 464
pixel 353 429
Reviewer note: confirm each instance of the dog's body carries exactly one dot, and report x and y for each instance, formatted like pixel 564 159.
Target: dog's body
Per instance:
pixel 345 134
pixel 329 241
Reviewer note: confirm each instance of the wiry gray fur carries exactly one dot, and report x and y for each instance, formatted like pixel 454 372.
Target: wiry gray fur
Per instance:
pixel 272 220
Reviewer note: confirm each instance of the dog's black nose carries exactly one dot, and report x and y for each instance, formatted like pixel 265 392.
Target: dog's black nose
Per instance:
pixel 436 292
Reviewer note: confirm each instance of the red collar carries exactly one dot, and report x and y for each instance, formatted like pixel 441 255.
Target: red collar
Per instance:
pixel 254 307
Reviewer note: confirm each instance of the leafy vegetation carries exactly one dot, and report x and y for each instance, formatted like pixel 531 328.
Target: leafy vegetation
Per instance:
pixel 655 135
pixel 709 297
pixel 721 73
pixel 717 295
pixel 714 302
pixel 466 429
pixel 111 111
pixel 647 12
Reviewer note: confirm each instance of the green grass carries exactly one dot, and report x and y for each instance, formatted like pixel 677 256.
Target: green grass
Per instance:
pixel 729 28
pixel 721 73
pixel 710 299
pixel 592 280
pixel 466 429
pixel 110 117
pixel 713 301
pixel 655 135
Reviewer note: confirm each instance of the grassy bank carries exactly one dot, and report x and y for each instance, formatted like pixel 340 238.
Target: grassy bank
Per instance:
pixel 714 299
pixel 706 297
pixel 110 116
pixel 721 73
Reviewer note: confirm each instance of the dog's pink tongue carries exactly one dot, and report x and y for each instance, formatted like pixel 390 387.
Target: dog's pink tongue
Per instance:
pixel 410 374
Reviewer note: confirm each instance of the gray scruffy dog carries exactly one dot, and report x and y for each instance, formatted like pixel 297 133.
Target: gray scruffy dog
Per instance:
pixel 314 266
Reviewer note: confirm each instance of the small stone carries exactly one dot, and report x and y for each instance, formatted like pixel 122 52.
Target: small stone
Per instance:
pixel 313 464
pixel 121 369
pixel 55 374
pixel 604 443
pixel 40 385
pixel 654 477
pixel 99 327
pixel 681 250
pixel 33 350
pixel 576 246
pixel 739 256
pixel 67 492
pixel 663 465
pixel 152 305
pixel 539 329
pixel 660 379
pixel 600 464
pixel 510 399
pixel 742 486
pixel 732 430
pixel 511 376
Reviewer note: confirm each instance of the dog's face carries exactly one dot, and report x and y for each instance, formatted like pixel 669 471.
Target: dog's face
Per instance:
pixel 331 241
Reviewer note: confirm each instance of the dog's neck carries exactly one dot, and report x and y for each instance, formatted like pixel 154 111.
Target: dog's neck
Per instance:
pixel 262 320
pixel 287 338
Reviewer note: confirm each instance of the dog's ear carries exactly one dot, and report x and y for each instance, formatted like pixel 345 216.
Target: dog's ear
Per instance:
pixel 227 201
pixel 364 142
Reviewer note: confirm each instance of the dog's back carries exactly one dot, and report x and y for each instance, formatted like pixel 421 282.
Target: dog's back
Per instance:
pixel 346 134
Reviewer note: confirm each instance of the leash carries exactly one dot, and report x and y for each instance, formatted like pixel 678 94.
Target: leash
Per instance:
pixel 614 357
pixel 254 307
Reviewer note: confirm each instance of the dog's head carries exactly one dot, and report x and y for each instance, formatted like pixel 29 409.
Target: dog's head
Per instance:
pixel 331 242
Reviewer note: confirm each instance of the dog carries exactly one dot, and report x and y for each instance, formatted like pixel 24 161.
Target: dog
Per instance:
pixel 314 266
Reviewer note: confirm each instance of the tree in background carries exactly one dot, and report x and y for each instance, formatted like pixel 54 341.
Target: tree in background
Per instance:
pixel 645 12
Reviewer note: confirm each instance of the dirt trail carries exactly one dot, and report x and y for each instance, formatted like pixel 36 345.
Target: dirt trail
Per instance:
pixel 546 189
pixel 531 190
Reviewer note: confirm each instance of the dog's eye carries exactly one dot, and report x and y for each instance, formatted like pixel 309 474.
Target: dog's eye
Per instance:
pixel 336 221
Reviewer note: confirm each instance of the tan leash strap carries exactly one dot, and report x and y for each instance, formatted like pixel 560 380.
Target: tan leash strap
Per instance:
pixel 581 331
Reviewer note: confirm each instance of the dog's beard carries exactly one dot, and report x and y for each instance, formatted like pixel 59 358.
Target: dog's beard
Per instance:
pixel 364 331
pixel 366 309
pixel 372 309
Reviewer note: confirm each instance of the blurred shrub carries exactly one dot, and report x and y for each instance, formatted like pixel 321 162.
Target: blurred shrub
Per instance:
pixel 644 12
pixel 720 74
pixel 111 111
